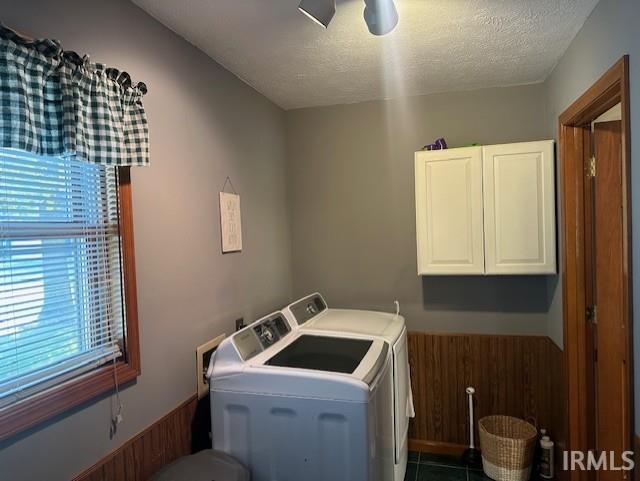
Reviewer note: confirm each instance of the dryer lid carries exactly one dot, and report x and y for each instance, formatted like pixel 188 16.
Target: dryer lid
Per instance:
pixel 311 313
pixel 372 323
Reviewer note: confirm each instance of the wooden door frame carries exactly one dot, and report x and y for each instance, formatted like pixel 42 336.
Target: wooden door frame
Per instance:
pixel 574 131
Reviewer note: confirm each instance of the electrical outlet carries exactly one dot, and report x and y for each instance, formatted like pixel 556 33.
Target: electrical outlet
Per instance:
pixel 239 324
pixel 203 356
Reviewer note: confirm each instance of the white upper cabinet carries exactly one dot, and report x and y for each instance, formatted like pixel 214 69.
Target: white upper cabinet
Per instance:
pixel 449 211
pixel 486 210
pixel 519 208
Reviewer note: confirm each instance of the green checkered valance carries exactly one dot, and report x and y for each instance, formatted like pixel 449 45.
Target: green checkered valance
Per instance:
pixel 54 102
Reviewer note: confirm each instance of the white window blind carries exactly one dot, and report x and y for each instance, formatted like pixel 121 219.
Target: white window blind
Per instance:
pixel 61 301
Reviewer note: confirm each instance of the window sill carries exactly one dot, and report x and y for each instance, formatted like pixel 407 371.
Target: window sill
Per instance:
pixel 47 404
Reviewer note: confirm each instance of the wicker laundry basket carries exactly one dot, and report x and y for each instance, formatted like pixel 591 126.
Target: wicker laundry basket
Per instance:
pixel 507 445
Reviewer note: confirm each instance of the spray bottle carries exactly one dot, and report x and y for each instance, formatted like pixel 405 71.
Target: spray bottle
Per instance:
pixel 546 455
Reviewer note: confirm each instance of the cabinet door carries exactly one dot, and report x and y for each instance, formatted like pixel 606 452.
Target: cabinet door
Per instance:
pixel 519 208
pixel 449 211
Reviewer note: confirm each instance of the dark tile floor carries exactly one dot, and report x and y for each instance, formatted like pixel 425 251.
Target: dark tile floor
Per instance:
pixel 440 467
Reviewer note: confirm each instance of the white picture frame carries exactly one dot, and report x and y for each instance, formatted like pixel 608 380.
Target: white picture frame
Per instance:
pixel 230 222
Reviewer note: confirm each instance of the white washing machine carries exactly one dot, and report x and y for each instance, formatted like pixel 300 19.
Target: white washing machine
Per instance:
pixel 311 314
pixel 294 405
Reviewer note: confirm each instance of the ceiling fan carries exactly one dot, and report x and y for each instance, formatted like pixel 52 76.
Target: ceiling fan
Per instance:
pixel 380 16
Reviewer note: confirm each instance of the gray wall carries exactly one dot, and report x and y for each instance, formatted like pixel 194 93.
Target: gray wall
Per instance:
pixel 205 124
pixel 610 32
pixel 351 187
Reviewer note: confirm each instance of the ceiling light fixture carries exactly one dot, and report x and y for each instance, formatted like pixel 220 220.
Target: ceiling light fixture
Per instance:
pixel 381 16
pixel 320 11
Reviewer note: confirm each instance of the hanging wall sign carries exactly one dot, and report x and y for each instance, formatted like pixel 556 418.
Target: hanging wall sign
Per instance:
pixel 230 222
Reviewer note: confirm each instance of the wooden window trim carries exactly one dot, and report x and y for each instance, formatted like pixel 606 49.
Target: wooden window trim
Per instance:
pixel 612 88
pixel 44 405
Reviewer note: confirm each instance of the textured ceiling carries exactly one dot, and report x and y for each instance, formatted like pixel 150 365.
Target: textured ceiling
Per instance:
pixel 439 45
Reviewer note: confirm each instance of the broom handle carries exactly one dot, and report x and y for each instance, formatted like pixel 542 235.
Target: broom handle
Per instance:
pixel 471 444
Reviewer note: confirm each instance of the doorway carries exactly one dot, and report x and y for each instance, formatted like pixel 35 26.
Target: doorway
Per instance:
pixel 596 267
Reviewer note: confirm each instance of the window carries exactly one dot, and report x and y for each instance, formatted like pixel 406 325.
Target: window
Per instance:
pixel 64 256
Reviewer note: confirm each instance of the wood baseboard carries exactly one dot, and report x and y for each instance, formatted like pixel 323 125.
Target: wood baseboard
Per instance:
pixel 436 447
pixel 141 456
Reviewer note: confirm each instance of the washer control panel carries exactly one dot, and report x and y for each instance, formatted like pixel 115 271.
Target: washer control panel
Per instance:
pixel 271 330
pixel 307 308
pixel 260 335
pixel 247 344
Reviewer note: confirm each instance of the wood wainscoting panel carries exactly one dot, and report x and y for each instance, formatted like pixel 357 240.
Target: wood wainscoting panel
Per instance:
pixel 513 375
pixel 139 458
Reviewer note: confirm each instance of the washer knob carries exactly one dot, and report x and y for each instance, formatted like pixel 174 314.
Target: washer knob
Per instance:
pixel 267 335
